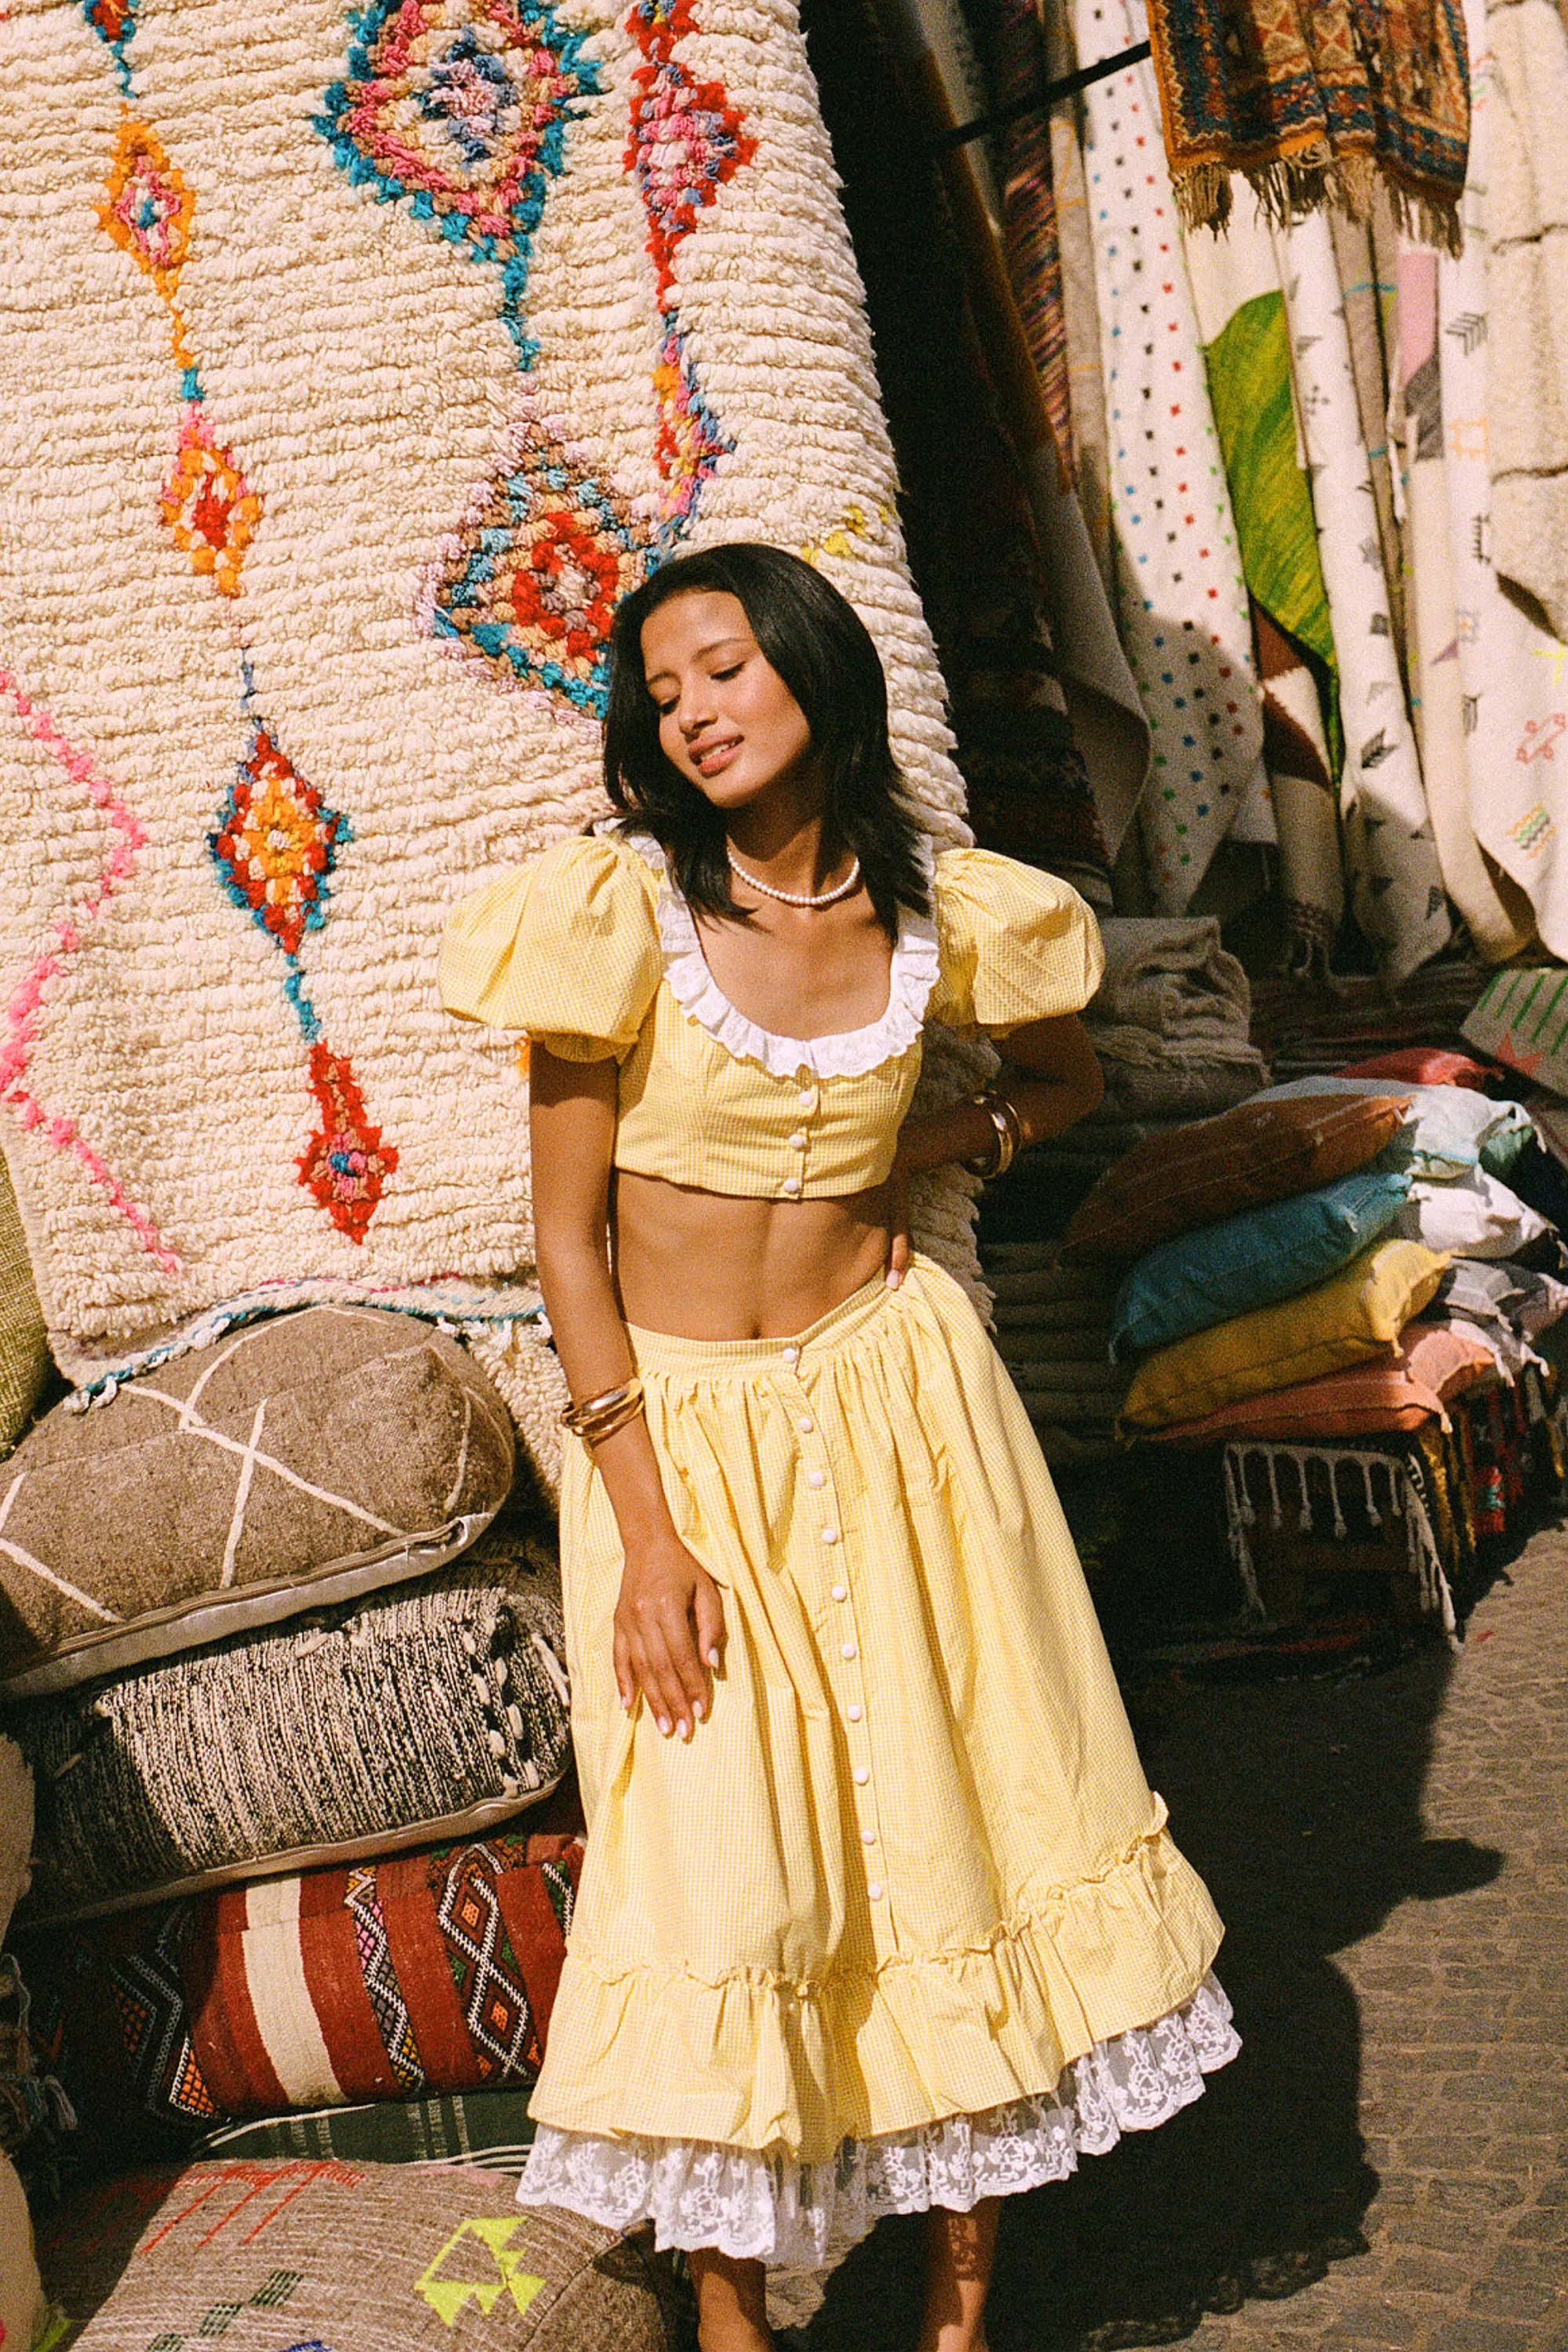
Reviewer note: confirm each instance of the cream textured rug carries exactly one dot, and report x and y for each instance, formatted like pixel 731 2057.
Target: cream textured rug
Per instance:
pixel 354 365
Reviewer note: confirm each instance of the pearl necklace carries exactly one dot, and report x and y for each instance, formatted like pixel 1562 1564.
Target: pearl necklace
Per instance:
pixel 797 897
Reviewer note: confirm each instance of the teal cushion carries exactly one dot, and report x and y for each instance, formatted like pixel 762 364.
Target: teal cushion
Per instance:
pixel 1220 1271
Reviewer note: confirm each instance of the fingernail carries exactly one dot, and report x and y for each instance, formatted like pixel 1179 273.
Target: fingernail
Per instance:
pixel 625 1703
pixel 664 1725
pixel 712 1657
pixel 700 1710
pixel 685 1729
pixel 894 1280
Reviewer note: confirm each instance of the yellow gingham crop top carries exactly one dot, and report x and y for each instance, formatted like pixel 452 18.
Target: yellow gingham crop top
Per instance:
pixel 592 951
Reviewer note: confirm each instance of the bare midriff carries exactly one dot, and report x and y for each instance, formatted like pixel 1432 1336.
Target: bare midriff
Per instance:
pixel 719 1266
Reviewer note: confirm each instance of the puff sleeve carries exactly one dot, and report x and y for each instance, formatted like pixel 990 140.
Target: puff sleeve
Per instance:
pixel 1014 945
pixel 565 948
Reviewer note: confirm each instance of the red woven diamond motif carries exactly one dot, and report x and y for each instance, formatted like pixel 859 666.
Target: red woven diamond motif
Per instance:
pixel 346 1163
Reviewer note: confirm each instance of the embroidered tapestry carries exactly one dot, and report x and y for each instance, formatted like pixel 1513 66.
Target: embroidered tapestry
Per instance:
pixel 1185 621
pixel 357 360
pixel 1311 100
pixel 1391 855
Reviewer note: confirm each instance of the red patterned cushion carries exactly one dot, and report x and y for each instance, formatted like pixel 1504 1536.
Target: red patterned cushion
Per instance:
pixel 426 1972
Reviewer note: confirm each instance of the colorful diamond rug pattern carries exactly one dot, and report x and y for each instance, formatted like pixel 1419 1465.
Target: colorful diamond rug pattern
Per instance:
pixel 462 306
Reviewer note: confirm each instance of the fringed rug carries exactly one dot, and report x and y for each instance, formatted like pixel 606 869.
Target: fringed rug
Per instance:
pixel 356 364
pixel 1310 103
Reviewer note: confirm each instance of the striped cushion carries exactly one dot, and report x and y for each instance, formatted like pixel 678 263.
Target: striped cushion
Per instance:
pixel 418 1975
pixel 1260 1151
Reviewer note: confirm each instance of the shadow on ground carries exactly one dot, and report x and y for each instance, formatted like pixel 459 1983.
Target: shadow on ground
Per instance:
pixel 1300 1802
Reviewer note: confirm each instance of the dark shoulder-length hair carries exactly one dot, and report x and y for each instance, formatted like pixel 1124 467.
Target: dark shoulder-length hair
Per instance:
pixel 823 651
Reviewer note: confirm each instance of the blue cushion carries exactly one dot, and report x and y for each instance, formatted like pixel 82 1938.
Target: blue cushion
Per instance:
pixel 1207 1276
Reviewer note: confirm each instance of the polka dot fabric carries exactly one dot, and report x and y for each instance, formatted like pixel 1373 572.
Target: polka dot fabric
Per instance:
pixel 1184 616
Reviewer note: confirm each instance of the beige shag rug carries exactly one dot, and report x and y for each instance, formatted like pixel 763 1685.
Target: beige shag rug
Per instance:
pixel 354 362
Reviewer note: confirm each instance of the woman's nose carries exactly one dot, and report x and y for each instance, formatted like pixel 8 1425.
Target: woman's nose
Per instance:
pixel 695 710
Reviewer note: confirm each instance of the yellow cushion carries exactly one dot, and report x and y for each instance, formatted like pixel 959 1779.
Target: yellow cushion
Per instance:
pixel 1353 1319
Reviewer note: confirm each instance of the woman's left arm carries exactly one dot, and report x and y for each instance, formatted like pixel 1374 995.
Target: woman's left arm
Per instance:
pixel 1049 1077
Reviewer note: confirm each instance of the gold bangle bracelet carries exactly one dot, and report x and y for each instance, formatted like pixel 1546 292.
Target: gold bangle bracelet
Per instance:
pixel 578 1417
pixel 595 1431
pixel 1009 1133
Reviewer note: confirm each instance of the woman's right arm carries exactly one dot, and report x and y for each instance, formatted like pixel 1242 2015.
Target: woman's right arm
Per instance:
pixel 670 1619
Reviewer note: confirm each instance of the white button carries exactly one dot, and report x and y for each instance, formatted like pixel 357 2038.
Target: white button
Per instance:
pixel 790 1355
pixel 841 1592
pixel 861 1776
pixel 847 1649
pixel 854 1712
pixel 797 1140
pixel 805 1424
pixel 817 1477
pixel 868 1837
pixel 874 1889
pixel 791 1185
pixel 830 1535
pixel 807 1098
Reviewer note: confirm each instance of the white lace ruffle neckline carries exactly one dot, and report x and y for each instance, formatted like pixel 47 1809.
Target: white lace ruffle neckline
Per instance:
pixel 697 2193
pixel 848 1052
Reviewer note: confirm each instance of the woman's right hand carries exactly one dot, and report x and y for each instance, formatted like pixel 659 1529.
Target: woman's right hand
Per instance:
pixel 669 1633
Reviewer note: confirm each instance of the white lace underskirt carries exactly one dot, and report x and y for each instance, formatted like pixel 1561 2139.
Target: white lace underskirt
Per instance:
pixel 698 2193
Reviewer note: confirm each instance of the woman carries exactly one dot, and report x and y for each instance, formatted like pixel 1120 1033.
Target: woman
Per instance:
pixel 878 1913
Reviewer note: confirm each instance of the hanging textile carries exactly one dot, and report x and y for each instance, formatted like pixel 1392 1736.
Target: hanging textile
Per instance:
pixel 1108 732
pixel 1391 854
pixel 1366 253
pixel 1437 691
pixel 1241 319
pixel 1029 214
pixel 1526 342
pixel 964 500
pixel 1080 305
pixel 1185 620
pixel 1309 102
pixel 1510 667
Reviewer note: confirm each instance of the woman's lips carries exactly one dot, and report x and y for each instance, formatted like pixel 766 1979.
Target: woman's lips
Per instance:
pixel 713 757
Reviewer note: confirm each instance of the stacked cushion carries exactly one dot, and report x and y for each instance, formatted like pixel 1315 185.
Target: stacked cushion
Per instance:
pixel 1252 1260
pixel 1354 1317
pixel 376 1723
pixel 419 1975
pixel 357 2258
pixel 1267 1150
pixel 1400 1392
pixel 317 1456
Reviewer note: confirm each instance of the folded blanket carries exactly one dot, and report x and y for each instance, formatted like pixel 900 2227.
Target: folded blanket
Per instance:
pixel 1173 976
pixel 1177 1088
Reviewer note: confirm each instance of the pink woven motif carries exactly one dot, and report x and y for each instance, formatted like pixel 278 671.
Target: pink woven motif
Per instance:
pixel 57 1128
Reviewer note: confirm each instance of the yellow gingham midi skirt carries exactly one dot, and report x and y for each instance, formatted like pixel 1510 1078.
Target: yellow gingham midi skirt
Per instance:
pixel 910 1868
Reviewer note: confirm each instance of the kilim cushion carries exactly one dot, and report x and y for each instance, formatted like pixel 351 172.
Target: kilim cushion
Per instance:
pixel 1354 1318
pixel 302 1460
pixel 23 1347
pixel 489 2128
pixel 329 2257
pixel 1354 1402
pixel 1261 1151
pixel 357 359
pixel 426 1711
pixel 408 1977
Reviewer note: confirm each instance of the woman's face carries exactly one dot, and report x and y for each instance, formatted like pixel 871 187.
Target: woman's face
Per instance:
pixel 726 719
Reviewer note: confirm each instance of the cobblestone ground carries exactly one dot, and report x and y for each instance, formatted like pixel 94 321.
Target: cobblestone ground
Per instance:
pixel 1387 2164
